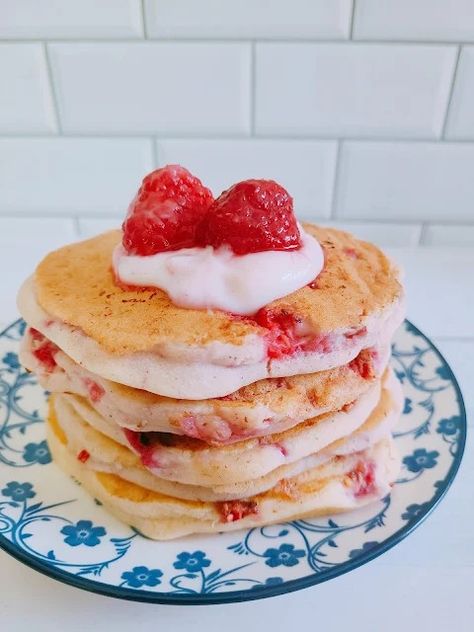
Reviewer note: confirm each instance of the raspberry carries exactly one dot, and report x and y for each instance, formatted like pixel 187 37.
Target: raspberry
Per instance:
pixel 96 392
pixel 252 216
pixel 165 212
pixel 363 479
pixel 44 350
pixel 234 510
pixel 363 365
pixel 283 339
pixel 83 456
pixel 143 444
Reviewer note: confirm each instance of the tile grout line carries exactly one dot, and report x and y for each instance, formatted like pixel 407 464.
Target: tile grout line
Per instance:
pixel 335 184
pixel 238 136
pixel 253 88
pixel 77 225
pixel 450 94
pixel 143 17
pixel 351 26
pixel 52 87
pixel 232 40
pixel 422 235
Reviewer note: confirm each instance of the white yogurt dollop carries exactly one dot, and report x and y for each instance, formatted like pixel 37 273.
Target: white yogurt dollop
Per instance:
pixel 205 278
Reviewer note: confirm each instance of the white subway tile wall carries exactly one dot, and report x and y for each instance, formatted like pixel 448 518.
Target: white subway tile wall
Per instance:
pixel 64 19
pixel 159 87
pixel 406 181
pixel 26 106
pixel 416 20
pixel 325 19
pixel 460 123
pixel 363 109
pixel 348 90
pixel 446 235
pixel 71 176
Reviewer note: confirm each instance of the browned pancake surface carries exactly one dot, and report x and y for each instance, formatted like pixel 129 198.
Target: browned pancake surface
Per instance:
pixel 75 284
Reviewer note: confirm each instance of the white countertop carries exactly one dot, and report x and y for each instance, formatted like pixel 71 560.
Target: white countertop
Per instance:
pixel 425 582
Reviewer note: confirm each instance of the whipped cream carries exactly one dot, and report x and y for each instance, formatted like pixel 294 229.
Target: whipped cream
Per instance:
pixel 208 278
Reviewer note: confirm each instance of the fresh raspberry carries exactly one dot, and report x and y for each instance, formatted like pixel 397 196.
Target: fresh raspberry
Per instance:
pixel 252 216
pixel 164 214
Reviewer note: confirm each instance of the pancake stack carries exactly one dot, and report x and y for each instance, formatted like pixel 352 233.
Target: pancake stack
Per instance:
pixel 190 421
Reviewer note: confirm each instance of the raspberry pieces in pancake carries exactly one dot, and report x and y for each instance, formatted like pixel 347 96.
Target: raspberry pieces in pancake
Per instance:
pixel 139 338
pixel 262 408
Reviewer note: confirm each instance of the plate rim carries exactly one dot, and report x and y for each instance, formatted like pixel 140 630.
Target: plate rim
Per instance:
pixel 239 596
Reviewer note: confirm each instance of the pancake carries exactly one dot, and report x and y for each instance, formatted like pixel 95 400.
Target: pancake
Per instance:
pixel 191 462
pixel 140 339
pixel 266 407
pixel 340 485
pixel 213 476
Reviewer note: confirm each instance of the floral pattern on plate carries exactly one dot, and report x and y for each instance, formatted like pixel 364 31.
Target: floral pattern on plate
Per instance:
pixel 48 522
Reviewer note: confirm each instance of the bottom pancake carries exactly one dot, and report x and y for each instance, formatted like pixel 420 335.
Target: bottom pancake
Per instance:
pixel 341 484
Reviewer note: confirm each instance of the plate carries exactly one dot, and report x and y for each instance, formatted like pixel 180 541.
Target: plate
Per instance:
pixel 48 522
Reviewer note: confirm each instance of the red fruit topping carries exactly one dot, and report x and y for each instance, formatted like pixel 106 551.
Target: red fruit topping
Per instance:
pixel 44 350
pixel 363 478
pixel 83 456
pixel 252 216
pixel 96 392
pixel 165 212
pixel 283 338
pixel 363 365
pixel 234 510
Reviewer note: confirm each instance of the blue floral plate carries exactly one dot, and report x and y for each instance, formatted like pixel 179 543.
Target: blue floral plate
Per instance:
pixel 48 522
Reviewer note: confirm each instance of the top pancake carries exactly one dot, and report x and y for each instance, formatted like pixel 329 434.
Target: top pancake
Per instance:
pixel 75 285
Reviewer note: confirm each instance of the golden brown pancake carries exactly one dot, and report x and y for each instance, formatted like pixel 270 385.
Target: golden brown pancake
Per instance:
pixel 192 462
pixel 75 285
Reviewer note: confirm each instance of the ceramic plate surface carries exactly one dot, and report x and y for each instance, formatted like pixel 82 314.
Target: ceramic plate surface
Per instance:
pixel 48 522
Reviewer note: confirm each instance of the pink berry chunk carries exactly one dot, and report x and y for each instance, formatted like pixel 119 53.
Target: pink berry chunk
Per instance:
pixel 166 211
pixel 252 216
